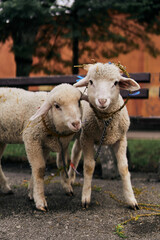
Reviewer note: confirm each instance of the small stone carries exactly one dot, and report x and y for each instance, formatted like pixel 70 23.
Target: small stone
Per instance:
pixel 18 226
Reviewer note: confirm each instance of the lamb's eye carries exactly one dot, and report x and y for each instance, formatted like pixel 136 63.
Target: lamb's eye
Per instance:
pixel 91 82
pixel 115 83
pixel 57 106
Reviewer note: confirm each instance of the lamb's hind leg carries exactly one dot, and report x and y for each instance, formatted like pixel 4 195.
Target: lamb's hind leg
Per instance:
pixel 75 158
pixel 4 186
pixel 64 178
pixel 120 151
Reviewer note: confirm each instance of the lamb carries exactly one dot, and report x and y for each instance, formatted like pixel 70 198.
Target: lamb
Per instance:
pixel 60 112
pixel 103 82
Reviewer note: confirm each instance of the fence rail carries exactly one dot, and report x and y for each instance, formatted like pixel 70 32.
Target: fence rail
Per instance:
pixel 24 82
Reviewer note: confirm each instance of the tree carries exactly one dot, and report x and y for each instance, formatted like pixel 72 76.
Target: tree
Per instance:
pixel 97 20
pixel 21 20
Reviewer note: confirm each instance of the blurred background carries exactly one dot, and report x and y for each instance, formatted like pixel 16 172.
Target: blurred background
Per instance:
pixel 43 37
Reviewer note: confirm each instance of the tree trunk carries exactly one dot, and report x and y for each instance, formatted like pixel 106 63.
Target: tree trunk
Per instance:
pixel 23 66
pixel 75 70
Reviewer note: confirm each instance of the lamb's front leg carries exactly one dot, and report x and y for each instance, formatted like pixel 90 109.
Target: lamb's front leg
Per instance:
pixel 89 166
pixel 30 187
pixel 120 149
pixel 37 162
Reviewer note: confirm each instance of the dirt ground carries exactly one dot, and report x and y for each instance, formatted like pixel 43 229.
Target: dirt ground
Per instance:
pixel 66 220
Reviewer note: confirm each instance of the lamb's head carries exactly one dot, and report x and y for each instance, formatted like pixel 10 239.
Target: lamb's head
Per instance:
pixel 104 82
pixel 63 106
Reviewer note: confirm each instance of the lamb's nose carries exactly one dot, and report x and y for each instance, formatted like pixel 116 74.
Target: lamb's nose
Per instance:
pixel 76 124
pixel 102 101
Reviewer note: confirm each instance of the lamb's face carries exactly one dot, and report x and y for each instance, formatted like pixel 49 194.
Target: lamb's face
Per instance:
pixel 103 88
pixel 102 92
pixel 104 82
pixel 63 106
pixel 66 108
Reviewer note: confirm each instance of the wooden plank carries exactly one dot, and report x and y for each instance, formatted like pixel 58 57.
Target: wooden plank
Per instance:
pixel 145 124
pixel 35 81
pixel 57 79
pixel 141 77
pixel 144 94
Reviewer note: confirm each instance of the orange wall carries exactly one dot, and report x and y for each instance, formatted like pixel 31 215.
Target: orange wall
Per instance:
pixel 7 63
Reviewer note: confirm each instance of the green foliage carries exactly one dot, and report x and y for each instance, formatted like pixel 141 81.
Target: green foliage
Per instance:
pixel 119 231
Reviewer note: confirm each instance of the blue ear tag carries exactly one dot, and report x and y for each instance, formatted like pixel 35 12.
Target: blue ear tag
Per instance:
pixel 134 93
pixel 80 78
pixel 109 63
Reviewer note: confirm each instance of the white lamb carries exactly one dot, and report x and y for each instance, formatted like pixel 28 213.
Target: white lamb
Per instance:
pixel 60 112
pixel 104 82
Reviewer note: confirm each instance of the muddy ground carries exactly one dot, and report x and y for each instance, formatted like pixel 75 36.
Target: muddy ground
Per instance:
pixel 67 220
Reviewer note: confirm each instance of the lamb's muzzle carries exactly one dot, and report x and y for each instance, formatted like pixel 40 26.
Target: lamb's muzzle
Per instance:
pixel 76 125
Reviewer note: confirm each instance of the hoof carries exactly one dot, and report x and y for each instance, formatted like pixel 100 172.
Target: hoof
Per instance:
pixel 10 192
pixel 85 205
pixel 30 199
pixel 42 209
pixel 135 207
pixel 70 194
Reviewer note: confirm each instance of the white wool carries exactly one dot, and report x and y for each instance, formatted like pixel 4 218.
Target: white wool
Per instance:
pixel 101 70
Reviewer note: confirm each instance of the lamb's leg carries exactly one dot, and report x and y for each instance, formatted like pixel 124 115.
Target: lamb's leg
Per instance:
pixel 89 166
pixel 64 178
pixel 120 149
pixel 5 188
pixel 30 187
pixel 37 162
pixel 75 158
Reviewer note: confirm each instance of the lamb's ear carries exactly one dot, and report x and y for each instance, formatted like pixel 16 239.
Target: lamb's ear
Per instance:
pixel 41 111
pixel 128 84
pixel 82 83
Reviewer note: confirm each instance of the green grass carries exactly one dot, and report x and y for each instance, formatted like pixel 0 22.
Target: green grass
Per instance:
pixel 144 154
pixel 15 150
